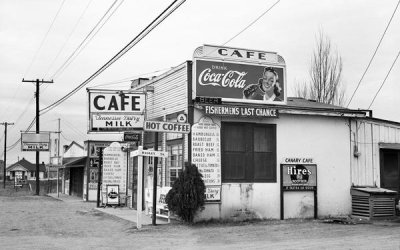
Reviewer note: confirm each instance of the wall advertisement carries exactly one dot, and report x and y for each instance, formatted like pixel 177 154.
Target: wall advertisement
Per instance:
pixel 206 155
pixel 116 110
pixel 239 75
pixel 299 174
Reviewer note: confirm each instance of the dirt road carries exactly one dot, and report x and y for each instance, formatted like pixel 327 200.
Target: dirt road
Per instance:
pixel 40 222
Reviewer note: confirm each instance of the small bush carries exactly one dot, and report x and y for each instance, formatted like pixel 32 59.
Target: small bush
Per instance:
pixel 187 194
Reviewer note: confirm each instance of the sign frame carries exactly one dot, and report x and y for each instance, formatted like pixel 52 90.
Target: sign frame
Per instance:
pixel 109 189
pixel 301 187
pixel 117 116
pixel 160 127
pixel 226 57
pixel 132 137
pixel 41 141
pixel 213 190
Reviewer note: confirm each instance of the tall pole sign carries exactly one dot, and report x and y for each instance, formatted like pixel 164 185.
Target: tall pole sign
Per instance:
pixel 38 82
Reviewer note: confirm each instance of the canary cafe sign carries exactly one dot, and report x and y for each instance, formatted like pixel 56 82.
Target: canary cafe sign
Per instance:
pixel 115 110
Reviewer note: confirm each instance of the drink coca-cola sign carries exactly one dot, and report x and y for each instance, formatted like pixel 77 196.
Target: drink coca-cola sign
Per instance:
pixel 239 82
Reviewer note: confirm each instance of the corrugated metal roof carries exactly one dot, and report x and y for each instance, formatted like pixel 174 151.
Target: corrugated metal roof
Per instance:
pixel 301 102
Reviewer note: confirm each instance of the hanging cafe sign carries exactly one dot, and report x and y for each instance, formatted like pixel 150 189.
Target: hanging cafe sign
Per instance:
pixel 116 110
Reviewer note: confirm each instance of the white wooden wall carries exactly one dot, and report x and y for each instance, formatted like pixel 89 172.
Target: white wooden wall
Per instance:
pixel 170 96
pixel 170 92
pixel 368 136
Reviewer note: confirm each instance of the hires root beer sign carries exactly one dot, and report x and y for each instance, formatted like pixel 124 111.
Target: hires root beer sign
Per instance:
pixel 240 75
pixel 114 110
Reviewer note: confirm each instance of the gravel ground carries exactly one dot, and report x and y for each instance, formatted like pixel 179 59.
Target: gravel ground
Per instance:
pixel 41 222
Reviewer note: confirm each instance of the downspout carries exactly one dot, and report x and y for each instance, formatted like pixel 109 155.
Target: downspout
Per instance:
pixel 351 155
pixel 190 108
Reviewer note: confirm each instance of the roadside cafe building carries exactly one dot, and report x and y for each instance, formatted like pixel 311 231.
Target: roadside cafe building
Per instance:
pixel 263 154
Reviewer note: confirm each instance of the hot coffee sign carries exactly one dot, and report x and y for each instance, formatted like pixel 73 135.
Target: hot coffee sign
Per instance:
pixel 115 110
pixel 239 75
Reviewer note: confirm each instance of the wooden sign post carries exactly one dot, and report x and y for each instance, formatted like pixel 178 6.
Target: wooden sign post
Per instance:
pixel 140 153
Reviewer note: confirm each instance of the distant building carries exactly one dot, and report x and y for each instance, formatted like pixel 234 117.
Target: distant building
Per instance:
pixel 25 169
pixel 73 162
pixel 73 150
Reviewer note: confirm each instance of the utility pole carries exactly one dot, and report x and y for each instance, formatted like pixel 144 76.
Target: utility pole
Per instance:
pixel 37 81
pixel 58 157
pixel 155 173
pixel 5 149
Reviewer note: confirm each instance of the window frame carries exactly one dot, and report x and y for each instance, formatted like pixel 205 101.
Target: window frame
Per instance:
pixel 249 153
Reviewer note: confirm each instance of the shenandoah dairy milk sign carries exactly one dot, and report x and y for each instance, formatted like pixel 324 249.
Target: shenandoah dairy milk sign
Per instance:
pixel 239 75
pixel 112 110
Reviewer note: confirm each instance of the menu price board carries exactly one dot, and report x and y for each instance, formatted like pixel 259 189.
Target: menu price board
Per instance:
pixel 114 167
pixel 206 155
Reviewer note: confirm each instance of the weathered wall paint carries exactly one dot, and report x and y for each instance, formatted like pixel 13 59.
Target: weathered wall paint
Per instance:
pixel 326 139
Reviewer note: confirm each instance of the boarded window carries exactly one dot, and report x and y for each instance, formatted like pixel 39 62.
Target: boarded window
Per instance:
pixel 248 152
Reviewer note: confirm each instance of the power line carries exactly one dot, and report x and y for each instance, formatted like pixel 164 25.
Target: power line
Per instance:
pixel 62 134
pixel 160 18
pixel 373 56
pixel 69 37
pixel 91 38
pixel 391 67
pixel 128 79
pixel 44 39
pixel 64 65
pixel 248 26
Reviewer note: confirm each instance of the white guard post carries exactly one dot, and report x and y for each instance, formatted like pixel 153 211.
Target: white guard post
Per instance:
pixel 140 153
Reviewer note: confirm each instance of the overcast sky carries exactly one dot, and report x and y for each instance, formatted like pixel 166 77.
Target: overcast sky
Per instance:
pixel 289 28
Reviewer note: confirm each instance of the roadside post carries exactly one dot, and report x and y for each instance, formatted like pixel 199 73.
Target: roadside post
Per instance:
pixel 99 175
pixel 140 153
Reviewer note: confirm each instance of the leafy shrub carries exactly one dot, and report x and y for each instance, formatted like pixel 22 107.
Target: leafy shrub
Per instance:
pixel 187 194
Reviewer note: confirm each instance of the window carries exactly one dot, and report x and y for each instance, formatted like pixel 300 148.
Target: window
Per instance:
pixel 174 164
pixel 248 152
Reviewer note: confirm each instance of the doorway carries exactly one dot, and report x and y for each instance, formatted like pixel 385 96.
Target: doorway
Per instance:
pixel 76 182
pixel 390 169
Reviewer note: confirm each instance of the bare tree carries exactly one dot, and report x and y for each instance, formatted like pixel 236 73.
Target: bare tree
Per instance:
pixel 325 75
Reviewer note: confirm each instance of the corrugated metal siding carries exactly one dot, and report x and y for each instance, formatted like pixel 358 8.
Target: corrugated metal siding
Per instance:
pixel 367 135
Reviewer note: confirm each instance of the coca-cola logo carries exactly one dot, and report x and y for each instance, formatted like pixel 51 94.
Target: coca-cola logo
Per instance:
pixel 229 79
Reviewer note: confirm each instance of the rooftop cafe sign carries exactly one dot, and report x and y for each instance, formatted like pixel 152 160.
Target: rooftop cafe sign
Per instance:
pixel 239 75
pixel 115 110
